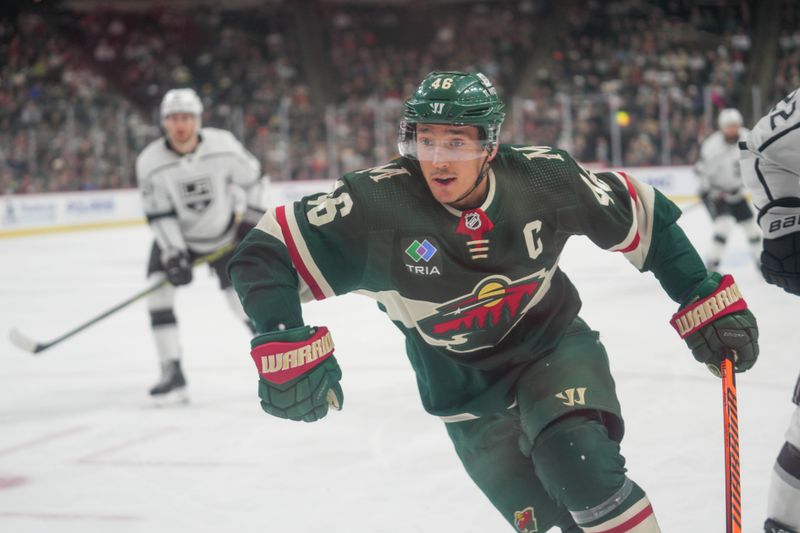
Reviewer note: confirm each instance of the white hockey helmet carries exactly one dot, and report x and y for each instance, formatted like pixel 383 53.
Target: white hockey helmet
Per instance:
pixel 729 117
pixel 181 101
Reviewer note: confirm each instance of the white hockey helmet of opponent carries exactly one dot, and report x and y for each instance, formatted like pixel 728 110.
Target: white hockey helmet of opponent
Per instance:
pixel 181 101
pixel 729 117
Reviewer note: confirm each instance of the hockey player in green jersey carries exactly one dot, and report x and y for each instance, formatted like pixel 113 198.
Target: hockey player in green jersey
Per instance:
pixel 458 241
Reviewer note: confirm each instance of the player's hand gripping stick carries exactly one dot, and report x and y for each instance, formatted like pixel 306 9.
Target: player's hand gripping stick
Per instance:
pixel 299 376
pixel 177 266
pixel 714 320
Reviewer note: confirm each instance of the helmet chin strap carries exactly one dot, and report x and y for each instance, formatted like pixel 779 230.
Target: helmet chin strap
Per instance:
pixel 484 170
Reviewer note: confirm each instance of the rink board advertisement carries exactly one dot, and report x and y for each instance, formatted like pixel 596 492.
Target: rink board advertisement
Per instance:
pixel 28 214
pixel 678 183
pixel 31 214
pixel 40 213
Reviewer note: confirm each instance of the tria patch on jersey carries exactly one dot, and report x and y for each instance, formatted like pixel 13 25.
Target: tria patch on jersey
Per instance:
pixel 474 223
pixel 483 317
pixel 421 257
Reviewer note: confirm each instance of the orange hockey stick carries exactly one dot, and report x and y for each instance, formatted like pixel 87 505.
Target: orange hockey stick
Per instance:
pixel 733 492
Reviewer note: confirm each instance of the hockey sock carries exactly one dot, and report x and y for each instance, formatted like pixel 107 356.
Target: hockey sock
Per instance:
pixel 754 238
pixel 165 333
pixel 637 518
pixel 784 491
pixel 722 228
pixel 771 526
pixel 582 469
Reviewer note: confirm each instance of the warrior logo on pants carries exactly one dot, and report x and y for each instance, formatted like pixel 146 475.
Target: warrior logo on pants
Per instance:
pixel 525 521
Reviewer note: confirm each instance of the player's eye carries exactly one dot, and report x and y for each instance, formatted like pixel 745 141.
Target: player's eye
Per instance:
pixel 424 141
pixel 457 143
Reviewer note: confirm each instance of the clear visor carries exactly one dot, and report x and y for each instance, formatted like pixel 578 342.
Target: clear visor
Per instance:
pixel 439 147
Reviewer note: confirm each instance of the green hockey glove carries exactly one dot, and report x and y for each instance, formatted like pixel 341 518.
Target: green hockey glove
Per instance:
pixel 299 376
pixel 714 320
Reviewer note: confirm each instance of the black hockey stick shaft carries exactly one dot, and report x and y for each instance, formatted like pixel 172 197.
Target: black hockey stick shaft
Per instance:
pixel 730 414
pixel 40 347
pixel 32 346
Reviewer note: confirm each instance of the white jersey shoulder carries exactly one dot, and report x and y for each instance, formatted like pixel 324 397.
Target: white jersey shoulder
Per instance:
pixel 153 156
pixel 777 135
pixel 715 143
pixel 770 158
pixel 217 140
pixel 189 199
pixel 157 154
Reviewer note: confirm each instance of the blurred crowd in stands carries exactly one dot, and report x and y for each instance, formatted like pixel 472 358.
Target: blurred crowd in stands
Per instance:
pixel 620 82
pixel 787 72
pixel 654 68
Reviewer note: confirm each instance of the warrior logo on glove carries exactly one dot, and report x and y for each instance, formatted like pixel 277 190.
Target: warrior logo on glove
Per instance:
pixel 726 300
pixel 279 362
pixel 715 321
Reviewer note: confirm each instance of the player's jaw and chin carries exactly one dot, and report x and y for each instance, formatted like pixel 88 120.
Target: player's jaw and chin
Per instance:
pixel 449 178
pixel 181 130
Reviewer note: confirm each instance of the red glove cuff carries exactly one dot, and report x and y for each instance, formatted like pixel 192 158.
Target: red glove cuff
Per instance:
pixel 279 362
pixel 726 299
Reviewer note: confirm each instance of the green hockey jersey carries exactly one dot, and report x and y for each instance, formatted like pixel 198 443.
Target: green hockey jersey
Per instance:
pixel 478 293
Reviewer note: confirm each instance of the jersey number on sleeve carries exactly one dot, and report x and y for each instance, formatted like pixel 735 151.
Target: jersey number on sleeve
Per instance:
pixel 599 188
pixel 327 207
pixel 782 113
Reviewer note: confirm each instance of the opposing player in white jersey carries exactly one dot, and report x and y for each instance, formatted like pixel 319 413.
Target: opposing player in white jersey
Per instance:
pixel 721 187
pixel 189 180
pixel 771 169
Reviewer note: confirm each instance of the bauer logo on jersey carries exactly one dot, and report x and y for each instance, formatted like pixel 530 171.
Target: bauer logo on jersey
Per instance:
pixel 482 318
pixel 197 194
pixel 421 257
pixel 525 521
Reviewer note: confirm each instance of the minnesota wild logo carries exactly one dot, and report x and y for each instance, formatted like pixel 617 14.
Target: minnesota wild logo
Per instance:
pixel 525 521
pixel 483 317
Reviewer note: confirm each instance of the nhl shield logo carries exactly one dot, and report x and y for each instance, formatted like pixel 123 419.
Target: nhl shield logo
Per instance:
pixel 472 221
pixel 525 521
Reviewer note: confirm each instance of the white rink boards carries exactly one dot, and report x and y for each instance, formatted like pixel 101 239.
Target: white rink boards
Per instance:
pixel 83 450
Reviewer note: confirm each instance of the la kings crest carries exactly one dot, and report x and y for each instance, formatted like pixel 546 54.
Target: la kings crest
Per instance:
pixel 197 194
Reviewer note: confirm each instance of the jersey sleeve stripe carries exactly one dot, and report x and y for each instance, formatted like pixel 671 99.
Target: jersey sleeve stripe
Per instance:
pixel 631 240
pixel 763 181
pixel 301 257
pixel 635 205
pixel 774 138
pixel 166 214
pixel 632 246
pixel 637 245
pixel 269 225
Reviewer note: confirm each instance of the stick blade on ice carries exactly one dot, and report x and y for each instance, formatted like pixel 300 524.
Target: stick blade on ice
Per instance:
pixel 23 342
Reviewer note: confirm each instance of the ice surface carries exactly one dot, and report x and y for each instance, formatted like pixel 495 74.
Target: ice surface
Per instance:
pixel 82 448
